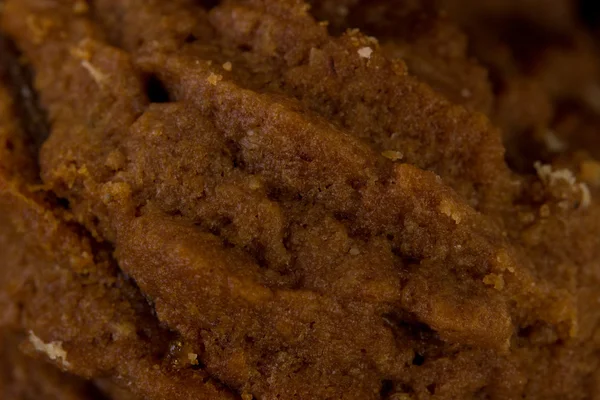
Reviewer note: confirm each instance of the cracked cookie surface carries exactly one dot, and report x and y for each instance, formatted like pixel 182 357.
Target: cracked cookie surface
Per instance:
pixel 238 201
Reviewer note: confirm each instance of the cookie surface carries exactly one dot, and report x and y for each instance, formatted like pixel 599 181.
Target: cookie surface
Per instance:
pixel 239 201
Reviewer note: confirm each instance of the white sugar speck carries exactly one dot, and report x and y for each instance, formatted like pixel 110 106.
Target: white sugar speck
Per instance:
pixel 53 350
pixel 365 52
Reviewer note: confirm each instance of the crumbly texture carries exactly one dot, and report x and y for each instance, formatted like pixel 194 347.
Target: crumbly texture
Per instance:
pixel 239 201
pixel 23 378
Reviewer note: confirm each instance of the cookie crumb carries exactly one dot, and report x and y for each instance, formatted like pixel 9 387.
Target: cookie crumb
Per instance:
pixel 393 155
pixel 213 79
pixel 193 358
pixel 550 177
pixel 497 281
pixel 228 66
pixel 53 350
pixel 365 52
pixel 98 76
pixel 449 209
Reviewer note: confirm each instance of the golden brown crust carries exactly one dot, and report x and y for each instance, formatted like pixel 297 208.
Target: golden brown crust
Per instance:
pixel 301 215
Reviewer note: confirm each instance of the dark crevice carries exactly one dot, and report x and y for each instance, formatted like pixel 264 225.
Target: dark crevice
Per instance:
pixel 589 13
pixel 216 226
pixel 258 252
pixel 234 151
pixel 526 39
pixel 521 148
pixel 305 157
pixel 245 48
pixel 405 21
pixel 156 90
pixel 191 38
pixel 96 393
pixel 343 216
pixel 409 327
pixel 19 79
pixel 418 360
pixel 209 4
pixel 387 388
pixel 431 388
pixel 200 366
pixel 357 183
pixel 482 394
pixel 63 203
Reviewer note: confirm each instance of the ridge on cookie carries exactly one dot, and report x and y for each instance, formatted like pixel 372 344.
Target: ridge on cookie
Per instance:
pixel 332 199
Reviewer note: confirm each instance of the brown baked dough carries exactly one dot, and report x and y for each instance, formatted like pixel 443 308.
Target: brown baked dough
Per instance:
pixel 239 200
